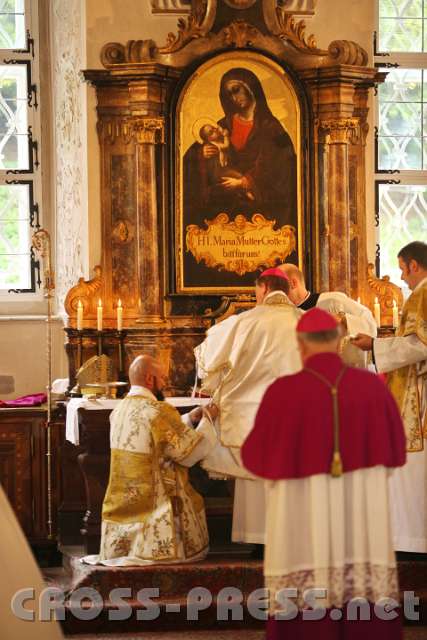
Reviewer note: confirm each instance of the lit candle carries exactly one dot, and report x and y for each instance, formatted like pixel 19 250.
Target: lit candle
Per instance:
pixel 79 316
pixel 119 316
pixel 99 315
pixel 395 315
pixel 358 299
pixel 377 312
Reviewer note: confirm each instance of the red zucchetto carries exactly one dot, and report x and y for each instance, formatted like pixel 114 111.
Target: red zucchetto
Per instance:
pixel 315 321
pixel 274 271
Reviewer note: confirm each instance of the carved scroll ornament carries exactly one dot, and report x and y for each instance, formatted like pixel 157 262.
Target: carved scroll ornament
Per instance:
pixel 280 24
pixel 386 292
pixel 88 292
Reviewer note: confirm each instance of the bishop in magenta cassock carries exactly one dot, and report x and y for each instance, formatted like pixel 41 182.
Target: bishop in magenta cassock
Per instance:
pixel 325 440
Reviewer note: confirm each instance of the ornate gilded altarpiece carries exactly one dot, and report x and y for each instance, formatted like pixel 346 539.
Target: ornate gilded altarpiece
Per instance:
pixel 286 125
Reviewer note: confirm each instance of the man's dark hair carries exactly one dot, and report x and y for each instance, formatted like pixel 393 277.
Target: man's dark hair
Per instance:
pixel 414 251
pixel 320 336
pixel 274 283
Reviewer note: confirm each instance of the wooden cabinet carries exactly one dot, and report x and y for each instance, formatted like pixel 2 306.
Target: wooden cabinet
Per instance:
pixel 23 468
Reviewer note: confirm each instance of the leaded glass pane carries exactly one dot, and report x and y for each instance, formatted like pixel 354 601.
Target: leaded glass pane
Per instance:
pixel 402 120
pixel 12 24
pixel 402 34
pixel 401 8
pixel 403 218
pixel 15 237
pixel 401 85
pixel 399 153
pixel 13 117
pixel 15 271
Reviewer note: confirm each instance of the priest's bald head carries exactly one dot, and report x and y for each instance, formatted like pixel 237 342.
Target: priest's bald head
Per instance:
pixel 146 371
pixel 297 289
pixel 317 332
pixel 270 280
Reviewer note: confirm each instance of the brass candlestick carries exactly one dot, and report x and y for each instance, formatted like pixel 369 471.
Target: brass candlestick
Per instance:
pixel 100 343
pixel 80 349
pixel 41 243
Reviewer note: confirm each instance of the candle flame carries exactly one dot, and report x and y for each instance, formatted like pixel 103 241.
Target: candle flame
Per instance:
pixel 394 303
pixel 99 302
pixel 79 304
pixel 119 304
pixel 376 300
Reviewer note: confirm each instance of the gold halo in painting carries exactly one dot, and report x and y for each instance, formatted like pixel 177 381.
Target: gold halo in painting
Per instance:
pixel 201 122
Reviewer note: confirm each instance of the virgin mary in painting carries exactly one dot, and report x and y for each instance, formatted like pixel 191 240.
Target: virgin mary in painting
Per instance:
pixel 244 165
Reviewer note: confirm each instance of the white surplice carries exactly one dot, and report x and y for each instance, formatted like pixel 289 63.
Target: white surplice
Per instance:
pixel 408 484
pixel 331 533
pixel 238 360
pixel 359 319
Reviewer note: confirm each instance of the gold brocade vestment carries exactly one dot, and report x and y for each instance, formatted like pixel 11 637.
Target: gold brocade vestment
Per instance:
pixel 150 510
pixel 405 383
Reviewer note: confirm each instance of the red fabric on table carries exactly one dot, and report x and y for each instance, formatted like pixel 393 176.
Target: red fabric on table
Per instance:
pixel 293 432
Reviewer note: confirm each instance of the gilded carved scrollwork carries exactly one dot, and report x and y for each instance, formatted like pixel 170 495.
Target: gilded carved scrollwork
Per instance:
pixel 240 34
pixel 88 291
pixel 294 32
pixel 386 292
pixel 188 29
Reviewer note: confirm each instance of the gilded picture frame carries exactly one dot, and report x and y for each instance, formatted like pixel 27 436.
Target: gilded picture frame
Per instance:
pixel 238 174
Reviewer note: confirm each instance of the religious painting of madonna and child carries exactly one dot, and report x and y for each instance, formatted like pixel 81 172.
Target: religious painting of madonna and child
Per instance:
pixel 238 175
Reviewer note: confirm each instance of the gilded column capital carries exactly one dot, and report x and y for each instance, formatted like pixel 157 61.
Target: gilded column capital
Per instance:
pixel 112 129
pixel 149 130
pixel 337 131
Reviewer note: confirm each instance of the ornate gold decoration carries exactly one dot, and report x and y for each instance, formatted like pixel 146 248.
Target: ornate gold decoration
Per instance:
pixel 386 292
pixel 188 29
pixel 88 291
pixel 294 32
pixel 123 232
pixel 149 131
pixel 240 33
pixel 240 246
pixel 342 130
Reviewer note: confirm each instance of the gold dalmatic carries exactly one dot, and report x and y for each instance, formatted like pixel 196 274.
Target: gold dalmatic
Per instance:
pixel 149 493
pixel 405 383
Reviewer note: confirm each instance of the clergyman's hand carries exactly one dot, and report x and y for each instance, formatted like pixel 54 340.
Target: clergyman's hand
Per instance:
pixel 212 410
pixel 363 341
pixel 197 413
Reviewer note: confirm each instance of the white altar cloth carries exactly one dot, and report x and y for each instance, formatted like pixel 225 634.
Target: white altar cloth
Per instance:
pixel 72 422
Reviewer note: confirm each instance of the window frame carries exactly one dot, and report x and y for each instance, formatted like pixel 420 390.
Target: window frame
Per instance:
pixel 387 61
pixel 22 300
